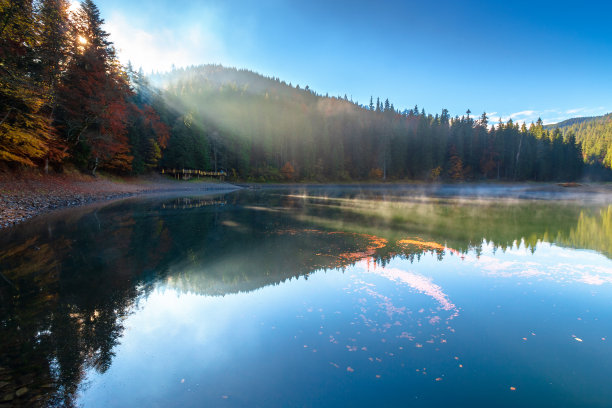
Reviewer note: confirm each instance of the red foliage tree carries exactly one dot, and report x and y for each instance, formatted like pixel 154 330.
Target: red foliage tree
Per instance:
pixel 93 98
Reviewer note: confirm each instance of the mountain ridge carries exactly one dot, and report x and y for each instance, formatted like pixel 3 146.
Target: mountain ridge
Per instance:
pixel 577 120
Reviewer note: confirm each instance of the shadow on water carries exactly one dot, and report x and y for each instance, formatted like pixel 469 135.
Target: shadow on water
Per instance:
pixel 72 278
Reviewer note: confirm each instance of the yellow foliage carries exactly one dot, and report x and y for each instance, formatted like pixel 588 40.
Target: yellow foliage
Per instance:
pixel 26 134
pixel 435 173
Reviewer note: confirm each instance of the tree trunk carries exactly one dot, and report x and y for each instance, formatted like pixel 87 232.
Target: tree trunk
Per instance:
pixel 95 167
pixel 518 154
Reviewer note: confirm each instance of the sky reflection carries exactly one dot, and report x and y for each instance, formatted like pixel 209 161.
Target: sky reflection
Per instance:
pixel 192 301
pixel 345 325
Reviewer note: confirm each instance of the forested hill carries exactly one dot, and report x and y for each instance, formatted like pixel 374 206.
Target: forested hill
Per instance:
pixel 594 134
pixel 264 129
pixel 570 122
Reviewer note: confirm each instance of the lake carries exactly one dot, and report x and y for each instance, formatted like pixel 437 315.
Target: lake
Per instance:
pixel 312 297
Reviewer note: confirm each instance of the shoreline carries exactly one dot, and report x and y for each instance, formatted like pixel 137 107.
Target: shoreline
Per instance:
pixel 501 190
pixel 25 196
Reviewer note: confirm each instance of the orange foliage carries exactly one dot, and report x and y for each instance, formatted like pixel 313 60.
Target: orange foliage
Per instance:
pixel 288 171
pixel 159 128
pixel 425 245
pixel 376 174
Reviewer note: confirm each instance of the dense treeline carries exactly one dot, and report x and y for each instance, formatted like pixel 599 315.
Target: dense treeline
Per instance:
pixel 65 98
pixel 262 129
pixel 595 136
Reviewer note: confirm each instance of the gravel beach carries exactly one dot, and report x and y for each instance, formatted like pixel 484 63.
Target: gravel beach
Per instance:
pixel 25 195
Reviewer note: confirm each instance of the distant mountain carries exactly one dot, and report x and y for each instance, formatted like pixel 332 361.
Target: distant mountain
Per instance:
pixel 593 133
pixel 575 121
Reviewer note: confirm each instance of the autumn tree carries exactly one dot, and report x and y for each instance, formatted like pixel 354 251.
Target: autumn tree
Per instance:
pixel 93 111
pixel 456 170
pixel 288 171
pixel 26 134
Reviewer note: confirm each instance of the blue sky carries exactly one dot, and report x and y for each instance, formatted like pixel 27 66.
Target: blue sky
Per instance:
pixel 519 59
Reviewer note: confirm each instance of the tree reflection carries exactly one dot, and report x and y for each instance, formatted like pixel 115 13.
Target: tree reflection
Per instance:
pixel 70 280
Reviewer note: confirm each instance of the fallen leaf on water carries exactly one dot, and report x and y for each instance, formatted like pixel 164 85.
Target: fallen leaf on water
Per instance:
pixel 512 388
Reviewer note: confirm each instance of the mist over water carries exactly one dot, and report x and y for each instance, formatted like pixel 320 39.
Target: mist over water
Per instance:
pixel 314 296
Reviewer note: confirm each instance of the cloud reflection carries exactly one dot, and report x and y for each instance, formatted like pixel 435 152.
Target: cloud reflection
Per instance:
pixel 421 284
pixel 551 266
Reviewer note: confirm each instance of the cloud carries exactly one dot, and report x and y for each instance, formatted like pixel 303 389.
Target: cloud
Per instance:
pixel 525 116
pixel 550 116
pixel 158 50
pixel 526 113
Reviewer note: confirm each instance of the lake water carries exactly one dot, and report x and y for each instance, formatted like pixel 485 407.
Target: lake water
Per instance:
pixel 310 297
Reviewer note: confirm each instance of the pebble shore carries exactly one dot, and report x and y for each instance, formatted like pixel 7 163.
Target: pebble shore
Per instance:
pixel 25 196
